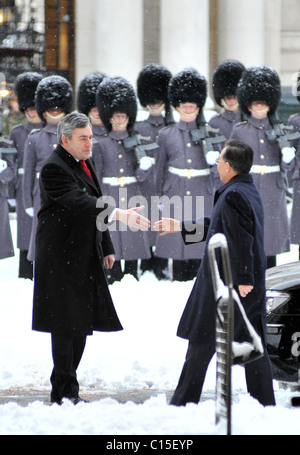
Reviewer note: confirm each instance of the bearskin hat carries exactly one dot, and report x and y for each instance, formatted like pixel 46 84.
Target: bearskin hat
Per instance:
pixel 153 87
pixel 116 94
pixel 152 84
pixel 188 86
pixel 226 78
pixel 259 83
pixel 54 91
pixel 25 87
pixel 87 89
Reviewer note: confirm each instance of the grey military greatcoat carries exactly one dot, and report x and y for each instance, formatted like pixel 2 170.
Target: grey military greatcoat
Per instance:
pixel 6 242
pixel 148 130
pixel 269 179
pixel 39 145
pixel 178 177
pixel 19 135
pixel 225 121
pixel 117 171
pixel 295 176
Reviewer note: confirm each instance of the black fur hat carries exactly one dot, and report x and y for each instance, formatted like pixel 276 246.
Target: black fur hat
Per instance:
pixel 152 84
pixel 54 91
pixel 86 98
pixel 259 83
pixel 188 86
pixel 153 87
pixel 25 87
pixel 116 94
pixel 226 78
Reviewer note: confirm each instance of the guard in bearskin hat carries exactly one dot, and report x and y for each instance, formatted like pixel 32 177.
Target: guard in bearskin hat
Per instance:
pixel 182 169
pixel 25 88
pixel 86 101
pixel 294 121
pixel 153 93
pixel 259 93
pixel 224 85
pixel 117 166
pixel 53 100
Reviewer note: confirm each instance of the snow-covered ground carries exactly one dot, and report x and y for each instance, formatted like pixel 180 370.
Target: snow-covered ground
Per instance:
pixel 146 354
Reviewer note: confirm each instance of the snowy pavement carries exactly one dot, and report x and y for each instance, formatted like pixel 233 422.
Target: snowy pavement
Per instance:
pixel 129 375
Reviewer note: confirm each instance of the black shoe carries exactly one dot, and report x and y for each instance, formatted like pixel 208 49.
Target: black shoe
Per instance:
pixel 77 400
pixel 54 400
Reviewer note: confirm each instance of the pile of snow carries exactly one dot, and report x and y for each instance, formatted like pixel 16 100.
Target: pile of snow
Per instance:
pixel 146 354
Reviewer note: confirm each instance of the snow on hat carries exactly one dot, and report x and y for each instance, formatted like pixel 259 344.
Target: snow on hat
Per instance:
pixel 25 88
pixel 153 87
pixel 152 84
pixel 259 83
pixel 54 91
pixel 116 94
pixel 86 98
pixel 226 78
pixel 188 86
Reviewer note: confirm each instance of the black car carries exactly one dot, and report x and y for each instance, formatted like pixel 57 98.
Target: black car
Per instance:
pixel 283 322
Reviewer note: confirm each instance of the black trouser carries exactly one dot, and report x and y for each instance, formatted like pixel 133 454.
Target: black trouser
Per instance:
pixel 258 376
pixel 116 273
pixel 66 352
pixel 156 265
pixel 185 270
pixel 25 266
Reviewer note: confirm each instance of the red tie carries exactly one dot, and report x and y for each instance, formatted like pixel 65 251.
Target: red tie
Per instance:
pixel 84 166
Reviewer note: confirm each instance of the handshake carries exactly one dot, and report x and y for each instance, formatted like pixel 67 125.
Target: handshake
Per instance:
pixel 133 219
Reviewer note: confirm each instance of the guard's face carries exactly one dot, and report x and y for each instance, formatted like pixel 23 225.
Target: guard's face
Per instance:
pixel 95 117
pixel 54 115
pixel 230 103
pixel 80 144
pixel 32 115
pixel 188 111
pixel 156 109
pixel 259 109
pixel 119 121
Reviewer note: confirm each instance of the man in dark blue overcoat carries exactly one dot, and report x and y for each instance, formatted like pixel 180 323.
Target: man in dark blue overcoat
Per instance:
pixel 238 214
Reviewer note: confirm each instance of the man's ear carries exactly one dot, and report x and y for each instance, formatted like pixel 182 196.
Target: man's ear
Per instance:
pixel 64 140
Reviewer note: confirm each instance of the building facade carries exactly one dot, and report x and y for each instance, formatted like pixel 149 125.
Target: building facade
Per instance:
pixel 75 37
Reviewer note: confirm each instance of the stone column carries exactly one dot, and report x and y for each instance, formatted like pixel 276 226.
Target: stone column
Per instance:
pixel 109 37
pixel 241 31
pixel 185 35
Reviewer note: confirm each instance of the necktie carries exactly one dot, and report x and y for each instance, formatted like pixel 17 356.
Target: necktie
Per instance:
pixel 85 168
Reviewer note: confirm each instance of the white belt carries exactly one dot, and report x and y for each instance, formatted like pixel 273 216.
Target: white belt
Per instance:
pixel 21 171
pixel 118 181
pixel 258 169
pixel 189 173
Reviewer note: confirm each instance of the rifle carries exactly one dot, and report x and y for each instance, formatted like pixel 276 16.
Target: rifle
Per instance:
pixel 6 147
pixel 202 134
pixel 277 134
pixel 134 142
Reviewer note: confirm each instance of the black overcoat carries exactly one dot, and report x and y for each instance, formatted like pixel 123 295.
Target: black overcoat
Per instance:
pixel 71 295
pixel 238 214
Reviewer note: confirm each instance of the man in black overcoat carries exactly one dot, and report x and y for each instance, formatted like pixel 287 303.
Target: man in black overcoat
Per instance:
pixel 238 214
pixel 73 249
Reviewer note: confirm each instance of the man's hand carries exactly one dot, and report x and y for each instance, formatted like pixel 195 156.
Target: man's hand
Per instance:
pixel 168 225
pixel 244 290
pixel 109 261
pixel 131 218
